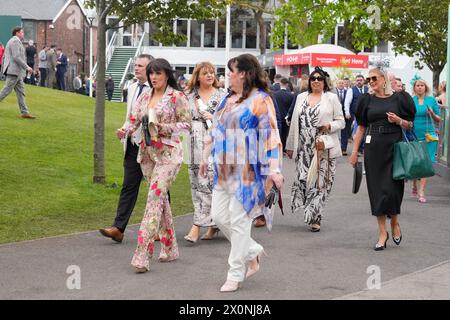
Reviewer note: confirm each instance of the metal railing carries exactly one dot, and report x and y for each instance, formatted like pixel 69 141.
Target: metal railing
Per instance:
pixel 109 53
pixel 130 65
pixel 444 136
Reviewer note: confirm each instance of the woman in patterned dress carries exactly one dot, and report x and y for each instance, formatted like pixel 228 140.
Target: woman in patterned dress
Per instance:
pixel 246 151
pixel 204 96
pixel 169 116
pixel 313 141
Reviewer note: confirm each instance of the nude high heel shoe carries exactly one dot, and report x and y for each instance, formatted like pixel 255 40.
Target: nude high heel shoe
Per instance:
pixel 252 270
pixel 230 286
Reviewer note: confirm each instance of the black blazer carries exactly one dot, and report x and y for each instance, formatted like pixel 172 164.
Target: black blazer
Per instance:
pixel 284 100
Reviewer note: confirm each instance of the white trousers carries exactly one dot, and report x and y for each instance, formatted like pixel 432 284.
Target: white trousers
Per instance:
pixel 230 217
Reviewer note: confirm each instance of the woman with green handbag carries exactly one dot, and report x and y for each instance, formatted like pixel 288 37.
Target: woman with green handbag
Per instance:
pixel 381 117
pixel 427 112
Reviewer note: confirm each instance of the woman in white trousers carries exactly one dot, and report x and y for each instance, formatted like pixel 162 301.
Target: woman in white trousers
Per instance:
pixel 246 151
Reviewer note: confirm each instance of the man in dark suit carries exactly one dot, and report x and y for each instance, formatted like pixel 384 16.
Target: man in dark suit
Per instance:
pixel 132 169
pixel 351 101
pixel 14 67
pixel 283 98
pixel 61 68
pixel 276 83
pixel 345 133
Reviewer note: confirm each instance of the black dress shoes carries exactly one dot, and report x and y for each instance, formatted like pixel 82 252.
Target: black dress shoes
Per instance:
pixel 397 240
pixel 382 247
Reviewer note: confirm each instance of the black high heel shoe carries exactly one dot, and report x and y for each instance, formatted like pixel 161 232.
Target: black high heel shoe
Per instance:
pixel 378 247
pixel 399 239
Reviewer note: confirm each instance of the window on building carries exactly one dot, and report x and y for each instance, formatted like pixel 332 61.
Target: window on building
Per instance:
pixel 369 49
pixel 196 34
pixel 210 34
pixel 221 41
pixel 382 46
pixel 341 37
pixel 250 34
pixel 330 40
pixel 152 29
pixel 220 72
pixel 268 33
pixel 110 32
pixel 180 71
pixel 236 34
pixel 182 29
pixel 29 28
pixel 191 70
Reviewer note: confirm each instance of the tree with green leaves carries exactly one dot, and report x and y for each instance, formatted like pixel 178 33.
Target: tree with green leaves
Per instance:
pixel 258 8
pixel 161 13
pixel 305 20
pixel 418 28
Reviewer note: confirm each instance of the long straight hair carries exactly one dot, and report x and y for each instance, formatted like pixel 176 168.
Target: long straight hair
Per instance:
pixel 159 65
pixel 255 77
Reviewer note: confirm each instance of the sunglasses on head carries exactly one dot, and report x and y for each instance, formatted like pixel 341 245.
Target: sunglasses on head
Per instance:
pixel 319 78
pixel 373 78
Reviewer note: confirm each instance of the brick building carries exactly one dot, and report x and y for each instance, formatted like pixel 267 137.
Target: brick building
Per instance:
pixel 60 22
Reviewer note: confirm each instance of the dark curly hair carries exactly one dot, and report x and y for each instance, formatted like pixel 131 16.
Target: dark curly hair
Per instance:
pixel 255 77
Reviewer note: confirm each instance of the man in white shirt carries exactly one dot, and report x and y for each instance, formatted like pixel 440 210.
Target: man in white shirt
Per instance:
pixel 132 169
pixel 351 101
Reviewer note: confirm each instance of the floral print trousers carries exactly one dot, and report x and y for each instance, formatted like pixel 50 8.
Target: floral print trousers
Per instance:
pixel 158 216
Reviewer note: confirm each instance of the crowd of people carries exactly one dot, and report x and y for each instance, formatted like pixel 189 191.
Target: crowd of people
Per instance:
pixel 238 139
pixel 48 68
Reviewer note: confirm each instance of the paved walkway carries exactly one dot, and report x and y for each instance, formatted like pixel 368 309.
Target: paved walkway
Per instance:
pixel 336 263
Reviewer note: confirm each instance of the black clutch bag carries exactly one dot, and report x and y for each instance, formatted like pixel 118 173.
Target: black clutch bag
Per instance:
pixel 357 177
pixel 147 136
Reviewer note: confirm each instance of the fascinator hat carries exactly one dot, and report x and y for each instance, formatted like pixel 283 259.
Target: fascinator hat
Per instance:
pixel 414 79
pixel 324 74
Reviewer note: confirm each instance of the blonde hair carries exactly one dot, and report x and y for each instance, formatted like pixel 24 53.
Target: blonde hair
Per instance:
pixel 427 88
pixel 194 81
pixel 387 84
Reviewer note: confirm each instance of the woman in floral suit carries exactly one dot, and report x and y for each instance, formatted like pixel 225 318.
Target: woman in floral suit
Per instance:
pixel 204 97
pixel 160 157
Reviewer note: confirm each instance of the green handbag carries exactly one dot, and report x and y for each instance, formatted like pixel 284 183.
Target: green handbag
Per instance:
pixel 411 160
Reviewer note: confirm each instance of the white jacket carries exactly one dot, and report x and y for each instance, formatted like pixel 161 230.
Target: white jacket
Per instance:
pixel 330 112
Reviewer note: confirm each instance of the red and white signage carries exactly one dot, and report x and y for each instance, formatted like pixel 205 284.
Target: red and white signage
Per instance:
pixel 339 60
pixel 323 60
pixel 291 59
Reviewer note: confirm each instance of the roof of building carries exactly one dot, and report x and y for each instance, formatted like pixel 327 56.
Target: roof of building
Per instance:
pixel 34 9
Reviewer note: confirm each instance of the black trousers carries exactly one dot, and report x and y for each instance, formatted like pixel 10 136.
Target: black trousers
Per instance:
pixel 346 133
pixel 130 187
pixel 132 178
pixel 43 73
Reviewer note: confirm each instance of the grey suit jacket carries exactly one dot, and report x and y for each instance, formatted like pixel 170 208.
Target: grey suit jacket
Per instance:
pixel 14 61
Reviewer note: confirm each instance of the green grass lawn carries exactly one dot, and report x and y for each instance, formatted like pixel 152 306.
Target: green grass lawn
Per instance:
pixel 46 168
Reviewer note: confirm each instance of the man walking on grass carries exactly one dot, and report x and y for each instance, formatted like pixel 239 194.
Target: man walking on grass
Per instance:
pixel 14 66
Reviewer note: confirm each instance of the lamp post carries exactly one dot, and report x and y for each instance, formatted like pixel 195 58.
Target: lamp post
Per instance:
pixel 91 20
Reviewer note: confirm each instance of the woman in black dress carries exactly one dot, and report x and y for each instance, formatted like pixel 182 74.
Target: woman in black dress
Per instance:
pixel 381 116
